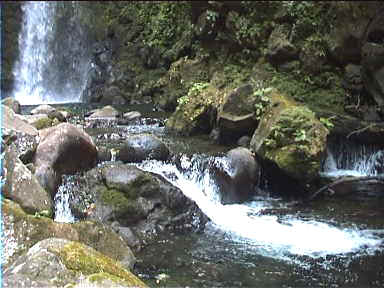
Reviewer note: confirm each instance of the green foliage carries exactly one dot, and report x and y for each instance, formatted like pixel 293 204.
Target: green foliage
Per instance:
pixel 262 102
pixel 193 91
pixel 327 122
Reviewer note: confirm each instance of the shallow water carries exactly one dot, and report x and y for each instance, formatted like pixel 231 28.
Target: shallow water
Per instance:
pixel 268 242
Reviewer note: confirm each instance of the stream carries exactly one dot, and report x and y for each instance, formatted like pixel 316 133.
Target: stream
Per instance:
pixel 267 242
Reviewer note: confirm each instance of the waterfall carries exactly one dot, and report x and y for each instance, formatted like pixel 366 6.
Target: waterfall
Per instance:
pixel 53 61
pixel 270 235
pixel 63 211
pixel 354 159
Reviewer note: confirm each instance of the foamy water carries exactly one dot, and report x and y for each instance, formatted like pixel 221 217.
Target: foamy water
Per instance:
pixel 243 222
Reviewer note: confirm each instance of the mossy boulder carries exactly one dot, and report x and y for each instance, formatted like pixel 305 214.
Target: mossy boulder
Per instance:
pixel 56 262
pixel 24 230
pixel 291 135
pixel 42 122
pixel 196 111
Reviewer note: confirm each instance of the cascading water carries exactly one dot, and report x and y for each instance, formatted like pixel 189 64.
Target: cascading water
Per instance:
pixel 53 61
pixel 63 211
pixel 244 223
pixel 350 158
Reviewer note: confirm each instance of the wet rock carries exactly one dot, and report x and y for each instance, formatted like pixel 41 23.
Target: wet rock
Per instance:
pixel 26 230
pixel 12 104
pixel 238 178
pixel 236 117
pixel 63 149
pixel 141 201
pixel 141 147
pixel 43 109
pixel 244 141
pixel 22 186
pixel 58 262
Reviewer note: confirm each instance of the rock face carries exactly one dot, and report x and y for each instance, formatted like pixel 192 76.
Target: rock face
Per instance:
pixel 56 262
pixel 63 149
pixel 239 178
pixel 23 231
pixel 141 147
pixel 22 186
pixel 291 136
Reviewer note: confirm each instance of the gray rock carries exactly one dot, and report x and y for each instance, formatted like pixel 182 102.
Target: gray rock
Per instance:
pixel 43 109
pixel 22 186
pixel 12 121
pixel 141 147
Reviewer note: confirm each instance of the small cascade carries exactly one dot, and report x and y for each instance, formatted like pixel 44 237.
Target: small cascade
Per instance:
pixel 269 235
pixel 350 158
pixel 62 199
pixel 53 61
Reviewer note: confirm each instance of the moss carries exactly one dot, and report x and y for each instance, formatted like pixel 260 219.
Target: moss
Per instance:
pixel 122 205
pixel 43 123
pixel 82 259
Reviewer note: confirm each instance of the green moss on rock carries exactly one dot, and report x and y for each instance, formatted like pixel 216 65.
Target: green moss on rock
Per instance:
pixel 85 260
pixel 43 123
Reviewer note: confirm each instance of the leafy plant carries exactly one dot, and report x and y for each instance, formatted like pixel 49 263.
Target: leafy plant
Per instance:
pixel 327 122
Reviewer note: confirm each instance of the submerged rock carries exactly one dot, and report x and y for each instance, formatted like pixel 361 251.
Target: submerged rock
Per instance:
pixel 56 262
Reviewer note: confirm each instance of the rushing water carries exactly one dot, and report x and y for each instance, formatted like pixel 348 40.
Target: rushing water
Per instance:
pixel 353 159
pixel 62 199
pixel 53 60
pixel 267 242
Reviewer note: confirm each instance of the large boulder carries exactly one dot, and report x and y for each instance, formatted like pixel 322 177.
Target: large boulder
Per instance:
pixel 56 262
pixel 63 149
pixel 236 116
pixel 24 230
pixel 22 186
pixel 239 177
pixel 141 147
pixel 127 197
pixel 290 135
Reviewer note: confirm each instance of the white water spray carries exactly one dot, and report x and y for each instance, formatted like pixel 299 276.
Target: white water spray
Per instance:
pixel 63 211
pixel 351 159
pixel 270 235
pixel 52 65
